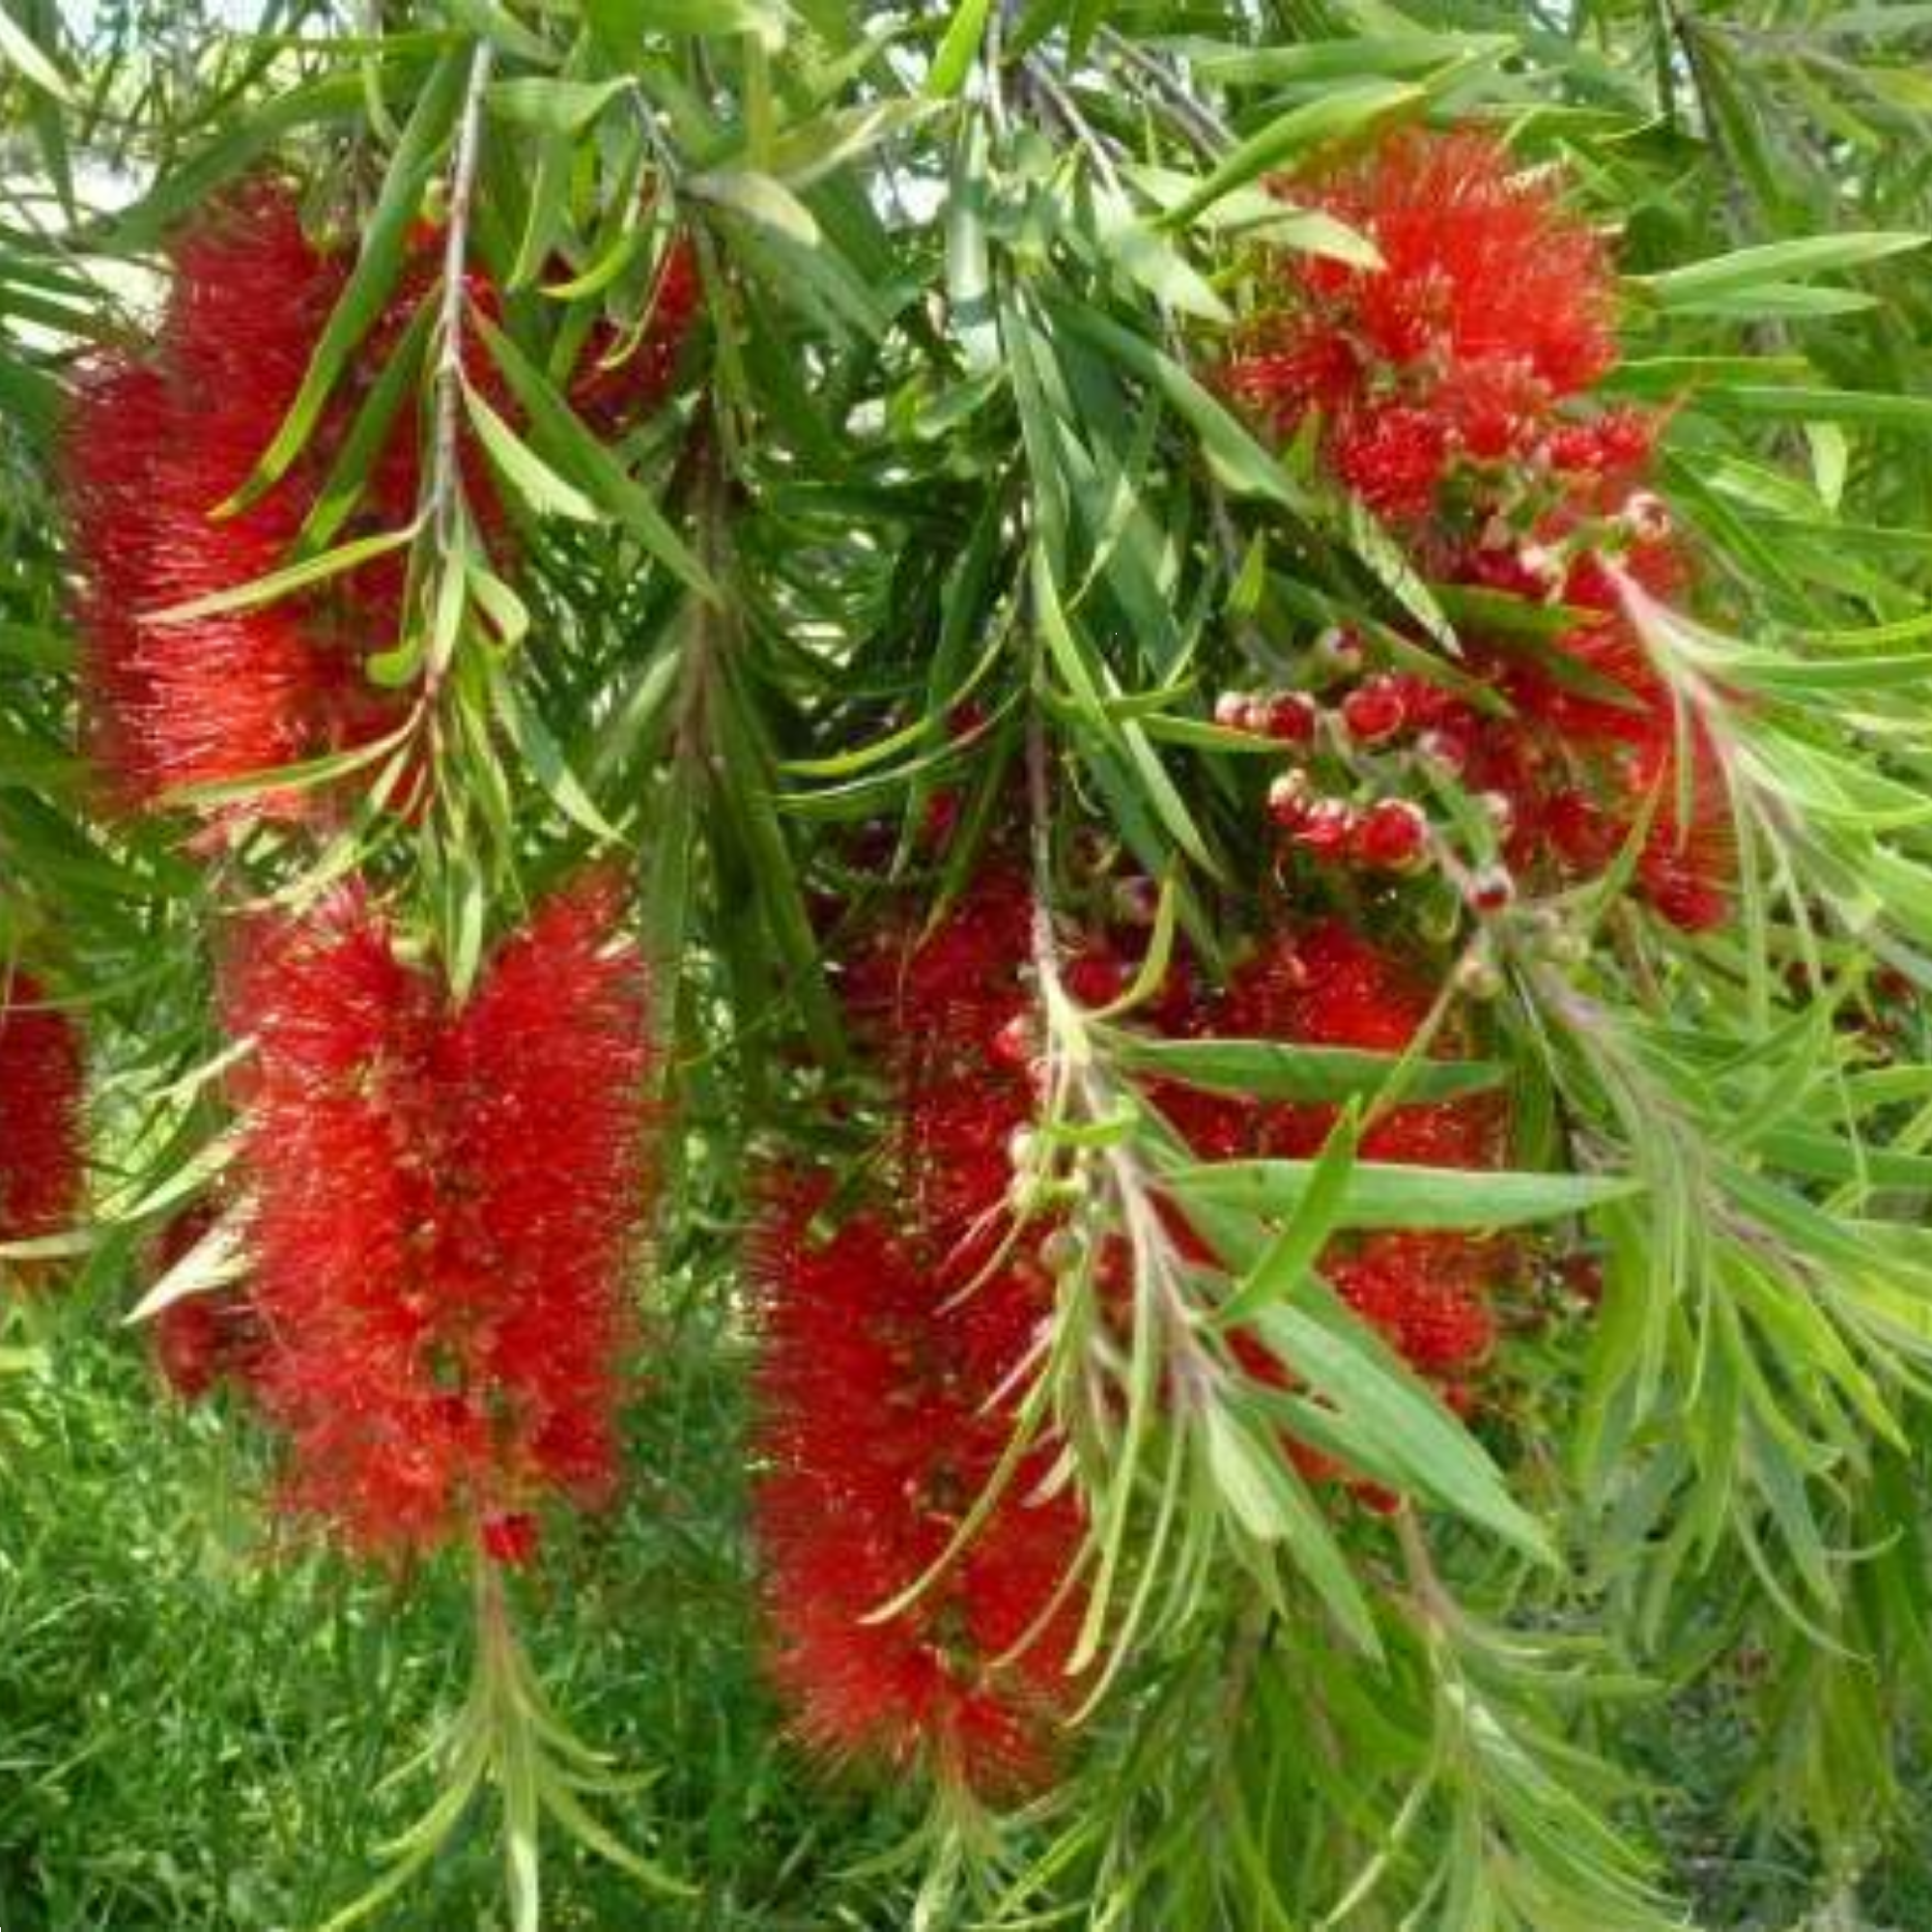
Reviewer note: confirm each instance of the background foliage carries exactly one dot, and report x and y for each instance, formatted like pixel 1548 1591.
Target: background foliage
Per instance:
pixel 949 432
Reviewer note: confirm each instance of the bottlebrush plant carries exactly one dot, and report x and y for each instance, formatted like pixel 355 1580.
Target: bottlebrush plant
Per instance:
pixel 1059 873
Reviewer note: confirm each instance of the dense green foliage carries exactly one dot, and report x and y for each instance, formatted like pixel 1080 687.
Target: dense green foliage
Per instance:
pixel 1654 1644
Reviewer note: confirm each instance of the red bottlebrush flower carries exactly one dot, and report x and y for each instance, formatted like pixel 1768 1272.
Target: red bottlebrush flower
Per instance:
pixel 441 1206
pixel 1577 762
pixel 1427 1294
pixel 1492 304
pixel 1330 986
pixel 40 1116
pixel 152 449
pixel 885 1355
pixel 875 1424
pixel 1392 459
pixel 610 394
pixel 155 444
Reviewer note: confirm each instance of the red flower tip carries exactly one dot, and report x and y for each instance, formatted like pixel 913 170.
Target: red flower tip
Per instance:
pixel 41 1166
pixel 510 1540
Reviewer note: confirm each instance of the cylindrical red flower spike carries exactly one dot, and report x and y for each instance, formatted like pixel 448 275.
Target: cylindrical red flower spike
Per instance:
pixel 442 1204
pixel 886 1353
pixel 40 1116
pixel 155 445
pixel 879 1439
pixel 153 449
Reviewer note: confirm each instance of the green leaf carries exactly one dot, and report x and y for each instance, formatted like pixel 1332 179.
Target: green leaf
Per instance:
pixel 1794 301
pixel 1260 215
pixel 1270 1502
pixel 216 1258
pixel 553 106
pixel 1242 464
pixel 304 776
pixel 623 24
pixel 1313 61
pixel 1147 255
pixel 283 583
pixel 955 58
pixel 1387 1195
pixel 526 472
pixel 1744 269
pixel 1874 407
pixel 385 242
pixel 592 466
pixel 1286 1261
pixel 19 49
pixel 1415 1439
pixel 1342 113
pixel 540 753
pixel 969 277
pixel 758 197
pixel 1272 1070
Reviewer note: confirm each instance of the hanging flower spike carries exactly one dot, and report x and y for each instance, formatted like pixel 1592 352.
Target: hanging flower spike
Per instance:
pixel 444 1207
pixel 544 1097
pixel 41 1165
pixel 152 450
pixel 155 445
pixel 887 1358
pixel 875 1428
pixel 1492 304
pixel 343 1166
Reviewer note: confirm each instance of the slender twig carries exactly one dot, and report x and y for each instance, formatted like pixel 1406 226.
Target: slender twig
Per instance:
pixel 1201 124
pixel 1063 103
pixel 1086 1084
pixel 444 504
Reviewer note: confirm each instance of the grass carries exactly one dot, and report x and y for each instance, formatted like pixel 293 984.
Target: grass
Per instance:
pixel 195 1723
pixel 197 1717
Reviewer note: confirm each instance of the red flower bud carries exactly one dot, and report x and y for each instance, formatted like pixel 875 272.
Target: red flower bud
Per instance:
pixel 1375 711
pixel 1327 828
pixel 1290 718
pixel 1392 836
